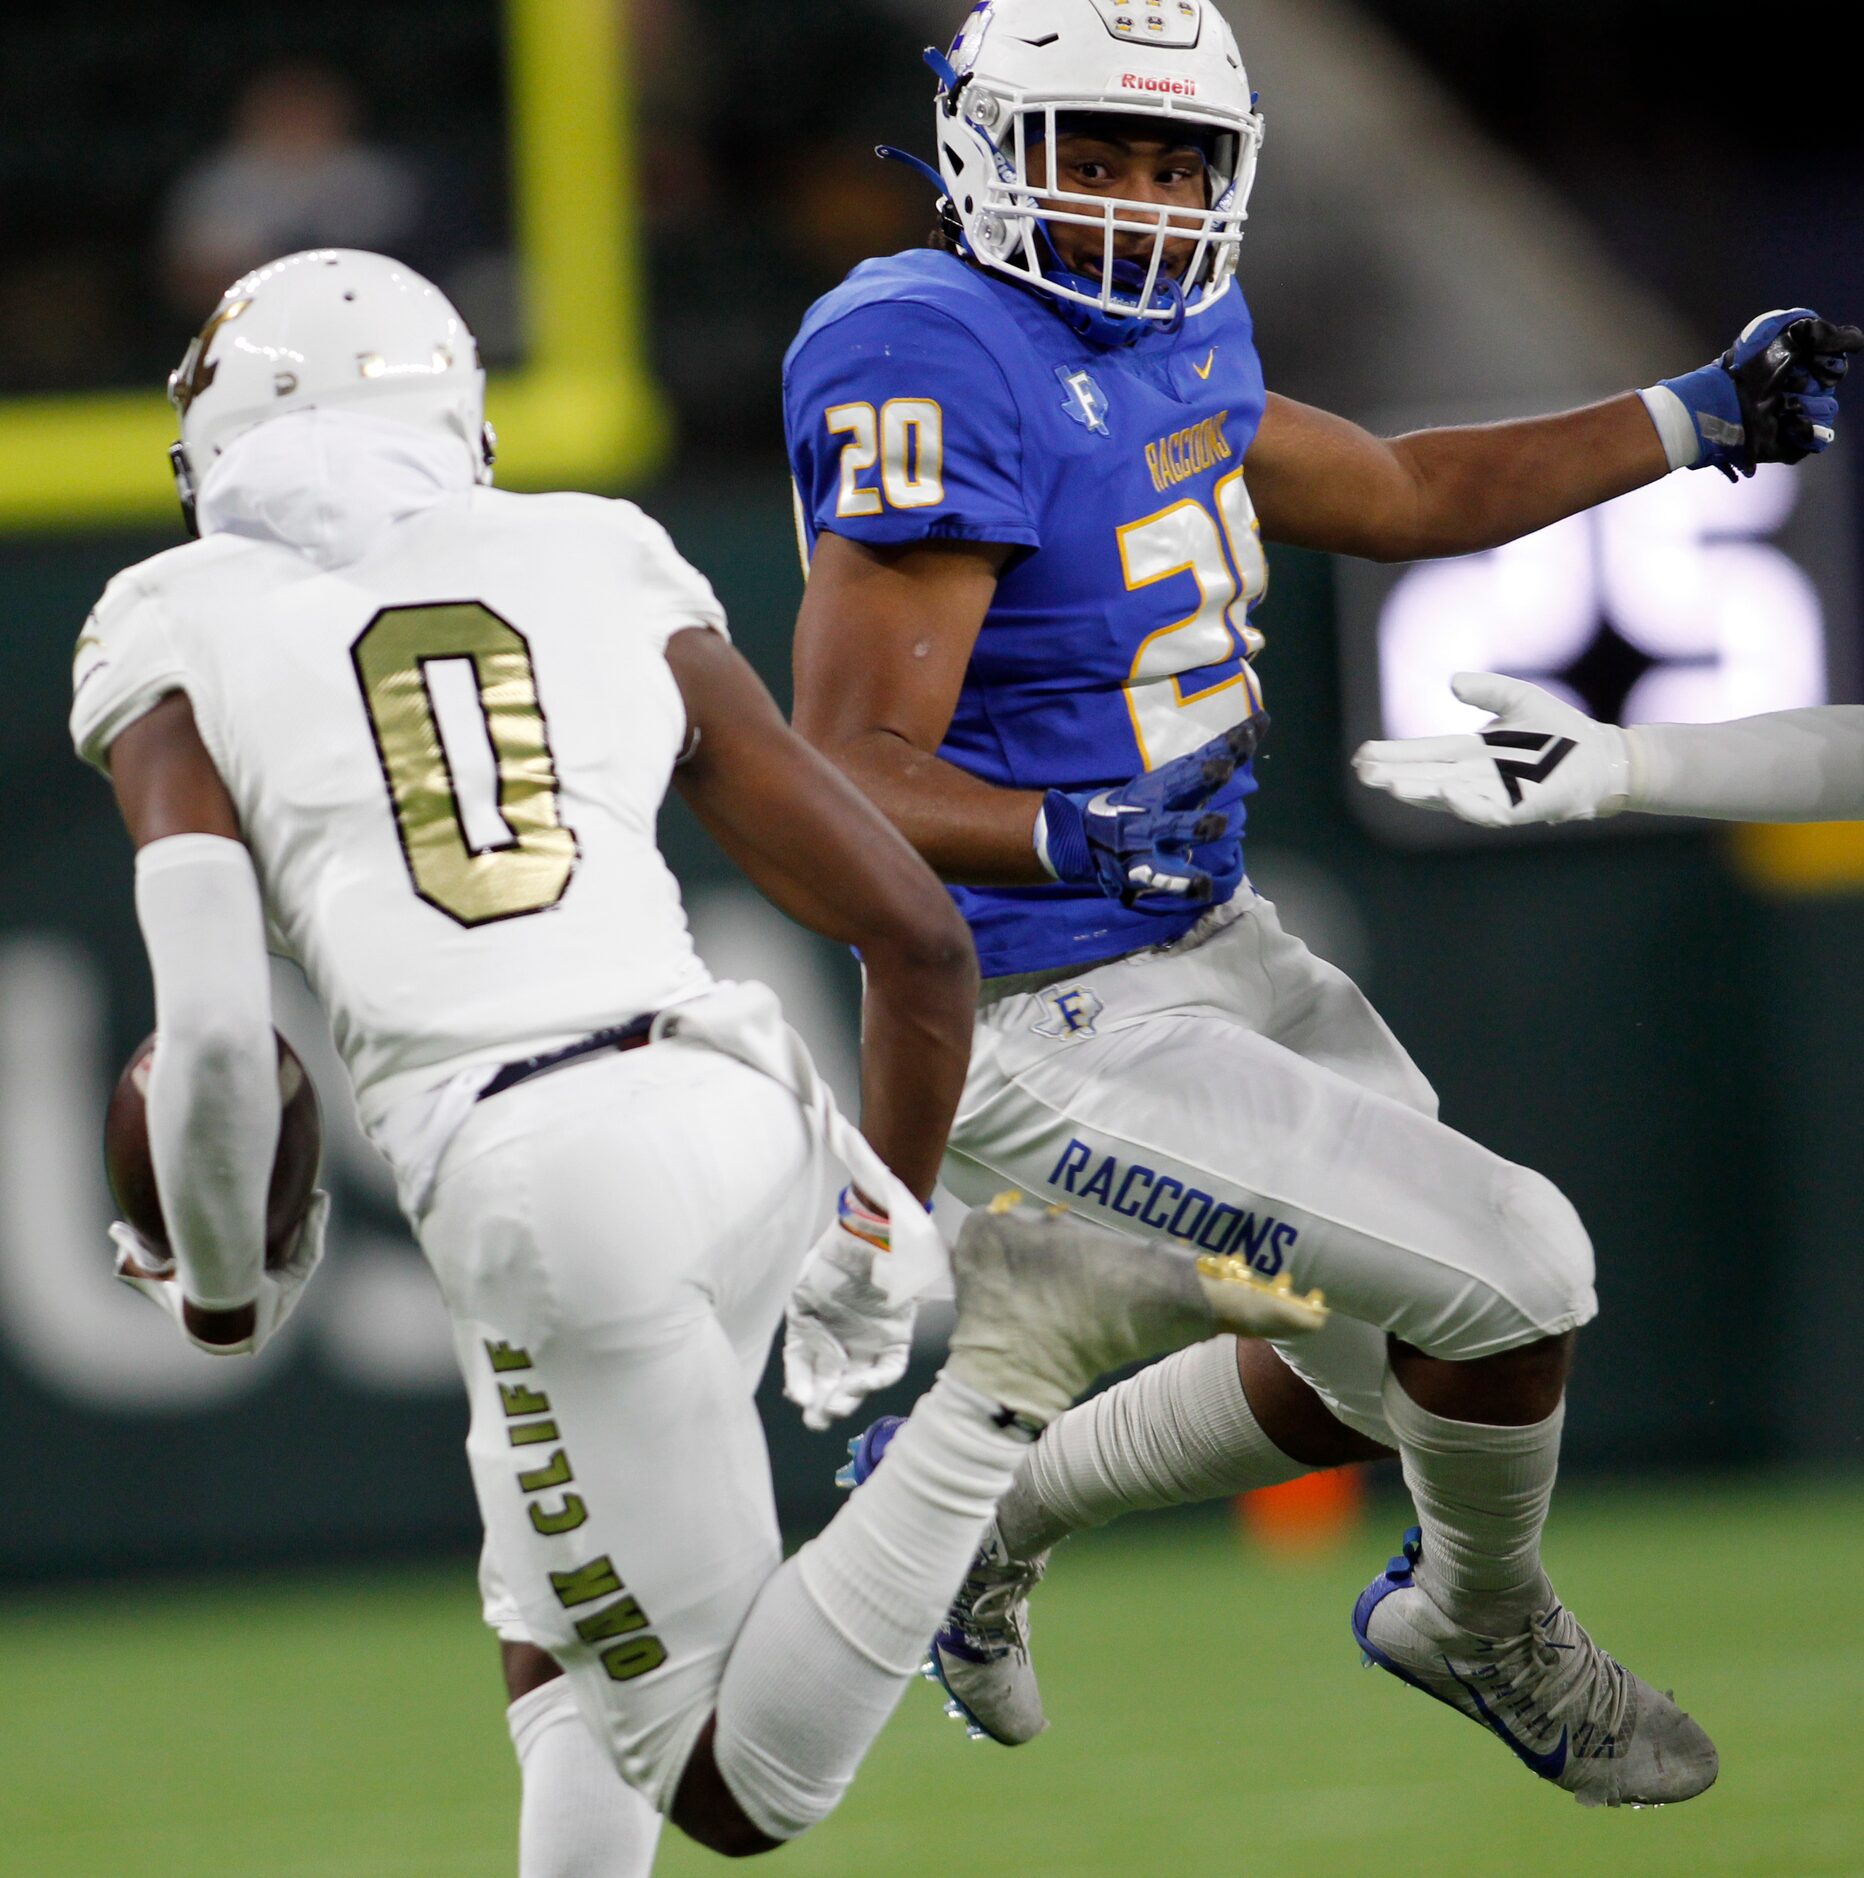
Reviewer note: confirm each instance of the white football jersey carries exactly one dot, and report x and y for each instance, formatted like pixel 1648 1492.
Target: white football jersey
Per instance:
pixel 448 755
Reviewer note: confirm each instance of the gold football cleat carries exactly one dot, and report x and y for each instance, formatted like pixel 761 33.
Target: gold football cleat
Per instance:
pixel 1254 1306
pixel 1241 1299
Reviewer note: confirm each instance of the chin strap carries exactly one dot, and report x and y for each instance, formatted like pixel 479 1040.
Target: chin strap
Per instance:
pixel 947 75
pixel 1112 329
pixel 944 208
pixel 185 491
pixel 888 154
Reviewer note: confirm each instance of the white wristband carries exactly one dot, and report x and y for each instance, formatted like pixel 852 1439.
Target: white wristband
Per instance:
pixel 1676 429
pixel 1040 840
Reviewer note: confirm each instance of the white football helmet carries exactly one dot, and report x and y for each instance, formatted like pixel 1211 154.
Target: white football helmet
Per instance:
pixel 326 328
pixel 1020 66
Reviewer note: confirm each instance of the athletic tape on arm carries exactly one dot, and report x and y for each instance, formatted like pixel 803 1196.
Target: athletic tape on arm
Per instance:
pixel 213 1091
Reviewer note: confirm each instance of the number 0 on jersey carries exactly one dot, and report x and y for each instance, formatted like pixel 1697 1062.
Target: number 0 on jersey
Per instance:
pixel 527 868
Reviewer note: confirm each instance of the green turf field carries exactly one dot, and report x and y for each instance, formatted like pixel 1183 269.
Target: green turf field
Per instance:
pixel 1210 1716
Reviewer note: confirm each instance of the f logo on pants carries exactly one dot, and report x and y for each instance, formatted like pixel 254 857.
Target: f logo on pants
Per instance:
pixel 1068 1011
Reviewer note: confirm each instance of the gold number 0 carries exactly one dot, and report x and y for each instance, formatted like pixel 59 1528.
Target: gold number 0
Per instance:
pixel 526 873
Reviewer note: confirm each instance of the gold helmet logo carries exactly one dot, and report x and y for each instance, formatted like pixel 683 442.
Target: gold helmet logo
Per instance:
pixel 196 372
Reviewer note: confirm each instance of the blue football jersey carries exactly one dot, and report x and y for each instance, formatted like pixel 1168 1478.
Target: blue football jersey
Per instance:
pixel 926 399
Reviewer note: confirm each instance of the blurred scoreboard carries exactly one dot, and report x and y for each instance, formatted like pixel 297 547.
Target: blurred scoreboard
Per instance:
pixel 1689 601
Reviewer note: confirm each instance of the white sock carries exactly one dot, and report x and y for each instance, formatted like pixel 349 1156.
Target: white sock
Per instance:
pixel 1482 1495
pixel 1178 1432
pixel 580 1818
pixel 836 1634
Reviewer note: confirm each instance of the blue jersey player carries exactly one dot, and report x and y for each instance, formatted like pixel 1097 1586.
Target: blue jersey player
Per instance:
pixel 1036 464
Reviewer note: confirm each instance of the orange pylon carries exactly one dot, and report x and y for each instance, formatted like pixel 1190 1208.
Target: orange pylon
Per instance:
pixel 1312 1514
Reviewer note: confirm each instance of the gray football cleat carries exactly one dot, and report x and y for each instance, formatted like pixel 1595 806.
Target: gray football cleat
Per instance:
pixel 1565 1709
pixel 980 1656
pixel 1047 1303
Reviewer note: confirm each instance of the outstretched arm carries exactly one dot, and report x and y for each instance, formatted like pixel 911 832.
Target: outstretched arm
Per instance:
pixel 813 845
pixel 1787 766
pixel 1320 482
pixel 1540 760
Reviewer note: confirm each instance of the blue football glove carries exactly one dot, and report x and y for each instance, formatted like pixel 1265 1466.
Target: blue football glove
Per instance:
pixel 1221 858
pixel 1168 837
pixel 1770 398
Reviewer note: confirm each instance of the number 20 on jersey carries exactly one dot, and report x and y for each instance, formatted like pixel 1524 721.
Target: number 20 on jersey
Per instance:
pixel 906 438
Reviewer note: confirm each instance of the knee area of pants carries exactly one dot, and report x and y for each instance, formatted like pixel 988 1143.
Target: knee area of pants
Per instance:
pixel 765 1799
pixel 1545 1229
pixel 1537 1284
pixel 738 1804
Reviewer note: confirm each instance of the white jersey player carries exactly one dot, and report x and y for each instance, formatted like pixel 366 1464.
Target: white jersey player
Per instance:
pixel 1540 760
pixel 421 730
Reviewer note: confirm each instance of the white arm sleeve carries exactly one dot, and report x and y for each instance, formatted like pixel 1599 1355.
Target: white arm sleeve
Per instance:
pixel 1790 766
pixel 213 1088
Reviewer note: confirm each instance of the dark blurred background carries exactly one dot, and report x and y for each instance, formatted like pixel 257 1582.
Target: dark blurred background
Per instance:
pixel 1463 208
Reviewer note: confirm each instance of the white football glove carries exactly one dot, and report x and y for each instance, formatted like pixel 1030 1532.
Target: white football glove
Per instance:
pixel 140 1266
pixel 843 1338
pixel 1539 761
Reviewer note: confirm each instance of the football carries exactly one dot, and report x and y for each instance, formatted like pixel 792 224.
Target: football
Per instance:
pixel 131 1169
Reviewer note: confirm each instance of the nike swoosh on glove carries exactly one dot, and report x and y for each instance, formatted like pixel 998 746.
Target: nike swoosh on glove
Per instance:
pixel 842 1338
pixel 140 1266
pixel 1540 760
pixel 1139 843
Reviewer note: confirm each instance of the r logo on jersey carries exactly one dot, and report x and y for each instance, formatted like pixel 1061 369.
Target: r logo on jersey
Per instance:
pixel 1068 1011
pixel 1086 402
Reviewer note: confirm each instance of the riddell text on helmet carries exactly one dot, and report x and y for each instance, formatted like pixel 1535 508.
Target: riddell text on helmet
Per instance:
pixel 1150 81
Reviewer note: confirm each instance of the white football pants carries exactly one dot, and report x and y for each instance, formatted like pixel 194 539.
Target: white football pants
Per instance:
pixel 616 1241
pixel 1236 1093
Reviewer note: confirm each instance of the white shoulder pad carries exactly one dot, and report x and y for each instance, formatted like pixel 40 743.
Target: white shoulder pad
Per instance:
pixel 125 665
pixel 666 593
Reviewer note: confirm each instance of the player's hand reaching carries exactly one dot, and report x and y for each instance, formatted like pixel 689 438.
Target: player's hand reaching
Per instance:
pixel 843 1338
pixel 147 1269
pixel 1171 836
pixel 1540 760
pixel 1770 398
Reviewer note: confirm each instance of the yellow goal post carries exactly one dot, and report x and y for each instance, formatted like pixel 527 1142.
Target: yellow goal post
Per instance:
pixel 583 410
